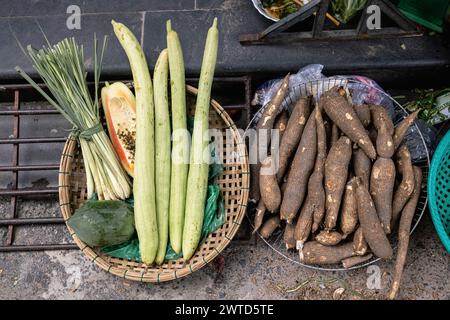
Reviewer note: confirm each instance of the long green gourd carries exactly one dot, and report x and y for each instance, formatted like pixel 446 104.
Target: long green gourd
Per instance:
pixel 180 147
pixel 144 170
pixel 162 155
pixel 198 170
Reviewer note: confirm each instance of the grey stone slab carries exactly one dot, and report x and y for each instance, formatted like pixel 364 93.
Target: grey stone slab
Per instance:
pixel 59 7
pixel 35 126
pixel 5 179
pixel 6 126
pixel 40 179
pixel 222 4
pixel 50 125
pixel 391 57
pixel 5 208
pixel 3 234
pixel 45 207
pixel 32 154
pixel 28 33
pixel 41 234
pixel 395 60
pixel 250 272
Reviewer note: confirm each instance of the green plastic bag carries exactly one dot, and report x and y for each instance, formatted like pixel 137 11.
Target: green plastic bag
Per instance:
pixel 213 219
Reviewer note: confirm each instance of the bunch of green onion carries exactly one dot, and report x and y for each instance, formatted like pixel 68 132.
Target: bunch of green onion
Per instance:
pixel 61 67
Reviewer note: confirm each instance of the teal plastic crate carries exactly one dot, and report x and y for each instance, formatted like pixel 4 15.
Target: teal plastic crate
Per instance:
pixel 439 190
pixel 429 13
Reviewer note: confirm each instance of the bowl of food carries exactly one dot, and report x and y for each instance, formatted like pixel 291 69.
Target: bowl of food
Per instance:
pixel 277 9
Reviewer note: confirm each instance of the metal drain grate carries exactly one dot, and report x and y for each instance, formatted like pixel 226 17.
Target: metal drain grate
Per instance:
pixel 21 163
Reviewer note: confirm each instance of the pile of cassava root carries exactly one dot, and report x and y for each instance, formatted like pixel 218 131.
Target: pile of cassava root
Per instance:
pixel 344 181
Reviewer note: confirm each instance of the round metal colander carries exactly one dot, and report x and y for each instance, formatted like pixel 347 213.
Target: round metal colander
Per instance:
pixel 361 93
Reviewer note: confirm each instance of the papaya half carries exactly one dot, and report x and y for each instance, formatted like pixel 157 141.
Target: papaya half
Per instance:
pixel 119 105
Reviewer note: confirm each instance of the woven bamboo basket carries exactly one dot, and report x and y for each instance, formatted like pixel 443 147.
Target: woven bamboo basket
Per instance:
pixel 233 183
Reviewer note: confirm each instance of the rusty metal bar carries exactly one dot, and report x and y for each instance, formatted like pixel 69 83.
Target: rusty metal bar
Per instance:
pixel 27 221
pixel 28 192
pixel 22 86
pixel 15 162
pixel 28 112
pixel 38 247
pixel 319 19
pixel 19 86
pixel 32 140
pixel 41 167
pixel 248 97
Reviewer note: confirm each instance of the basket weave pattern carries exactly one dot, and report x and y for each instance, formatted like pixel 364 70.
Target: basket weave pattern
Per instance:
pixel 233 183
pixel 439 190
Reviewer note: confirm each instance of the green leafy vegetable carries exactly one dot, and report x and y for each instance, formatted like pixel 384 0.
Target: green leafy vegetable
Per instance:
pixel 345 10
pixel 430 110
